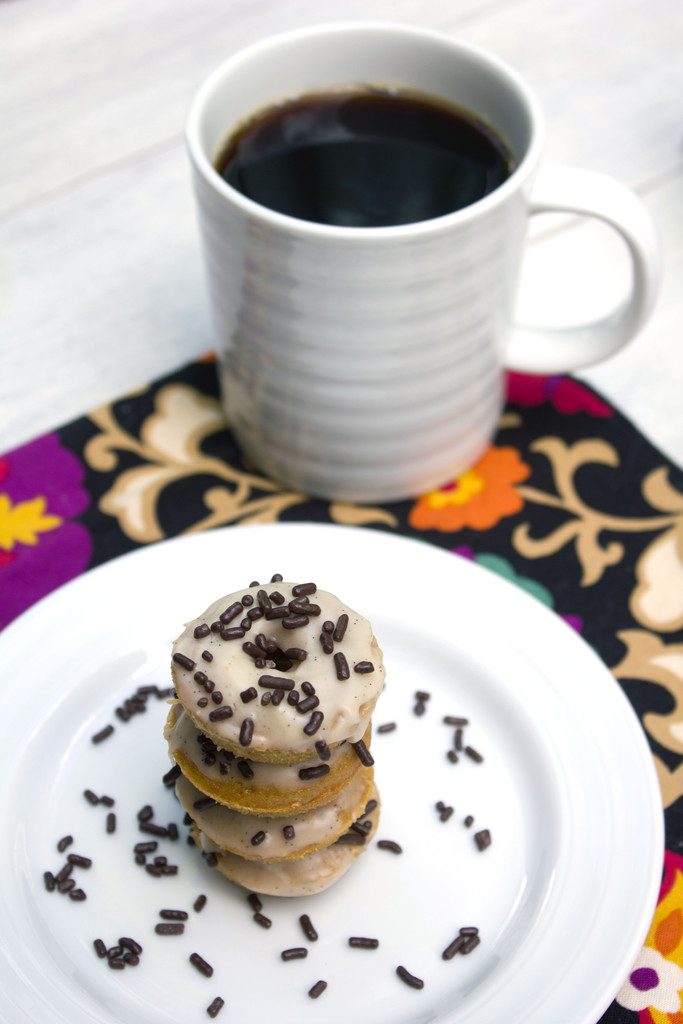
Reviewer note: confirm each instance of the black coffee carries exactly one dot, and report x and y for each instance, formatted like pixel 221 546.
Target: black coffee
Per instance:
pixel 364 159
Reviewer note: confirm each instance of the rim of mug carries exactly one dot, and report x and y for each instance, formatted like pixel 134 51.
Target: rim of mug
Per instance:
pixel 342 233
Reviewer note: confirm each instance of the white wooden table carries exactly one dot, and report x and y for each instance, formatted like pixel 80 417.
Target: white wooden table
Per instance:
pixel 100 278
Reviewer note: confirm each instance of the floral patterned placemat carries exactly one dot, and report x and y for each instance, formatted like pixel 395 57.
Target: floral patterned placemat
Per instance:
pixel 570 502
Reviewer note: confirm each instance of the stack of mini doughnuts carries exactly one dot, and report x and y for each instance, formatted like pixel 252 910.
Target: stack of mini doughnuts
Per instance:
pixel 276 685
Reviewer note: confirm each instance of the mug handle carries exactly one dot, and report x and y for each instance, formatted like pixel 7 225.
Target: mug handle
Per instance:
pixel 560 189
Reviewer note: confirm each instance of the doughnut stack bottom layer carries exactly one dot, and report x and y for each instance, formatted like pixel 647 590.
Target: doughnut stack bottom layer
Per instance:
pixel 270 732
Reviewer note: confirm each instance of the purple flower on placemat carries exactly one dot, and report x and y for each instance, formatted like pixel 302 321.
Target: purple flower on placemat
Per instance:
pixel 40 547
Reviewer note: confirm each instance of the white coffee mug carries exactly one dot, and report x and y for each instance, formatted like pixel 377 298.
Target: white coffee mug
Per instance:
pixel 366 364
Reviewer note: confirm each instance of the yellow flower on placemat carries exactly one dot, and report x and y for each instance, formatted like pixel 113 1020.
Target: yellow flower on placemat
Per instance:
pixel 478 498
pixel 22 522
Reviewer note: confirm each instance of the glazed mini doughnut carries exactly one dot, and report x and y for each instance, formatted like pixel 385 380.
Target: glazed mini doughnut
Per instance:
pixel 303 876
pixel 269 840
pixel 278 672
pixel 255 787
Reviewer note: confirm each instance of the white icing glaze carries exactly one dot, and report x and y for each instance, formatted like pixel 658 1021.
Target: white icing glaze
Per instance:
pixel 182 736
pixel 347 705
pixel 304 876
pixel 233 831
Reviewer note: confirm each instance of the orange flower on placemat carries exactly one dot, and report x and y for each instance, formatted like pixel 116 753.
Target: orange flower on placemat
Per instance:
pixel 478 498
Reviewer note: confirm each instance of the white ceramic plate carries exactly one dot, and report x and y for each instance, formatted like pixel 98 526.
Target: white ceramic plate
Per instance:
pixel 563 896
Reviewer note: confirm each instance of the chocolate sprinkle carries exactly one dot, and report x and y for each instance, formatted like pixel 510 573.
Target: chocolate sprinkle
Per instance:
pixel 482 839
pixel 231 612
pixel 63 873
pixel 328 627
pixel 315 771
pixel 452 720
pixel 304 589
pixel 172 915
pixel 276 597
pixel 202 966
pixel 419 709
pixel 77 895
pixel 215 1007
pixel 148 847
pixel 469 930
pixel 445 813
pixel 469 821
pixel 363 667
pixel 276 683
pixel 250 694
pixel 146 813
pixel 103 734
pixel 245 769
pixel 67 885
pixel 251 649
pixel 152 829
pixel 299 654
pixel 457 740
pixel 201 631
pixel 90 797
pixel 169 929
pixel 293 697
pixel 64 842
pixel 232 633
pixel 277 613
pixel 470 943
pixel 409 978
pixel 317 989
pixel 107 801
pixel 184 661
pixel 307 928
pixel 263 601
pixel 220 714
pixel 171 775
pixel 452 756
pixel 207 655
pixel 255 613
pixel 258 838
pixel 288 832
pixel 247 601
pixel 49 880
pixel 203 803
pixel 358 942
pixel 275 578
pixel 100 948
pixel 201 678
pixel 117 965
pixel 199 904
pixel 266 697
pixel 326 643
pixel 314 722
pixel 277 697
pixel 78 861
pixel 387 727
pixel 261 919
pixel 364 755
pixel 254 902
pixel 295 953
pixel 202 702
pixel 294 621
pixel 342 666
pixel 246 732
pixel 130 944
pixel 389 844
pixel 111 823
pixel 474 754
pixel 422 695
pixel 454 947
pixel 350 839
pixel 370 806
pixel 340 628
pixel 321 747
pixel 308 704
